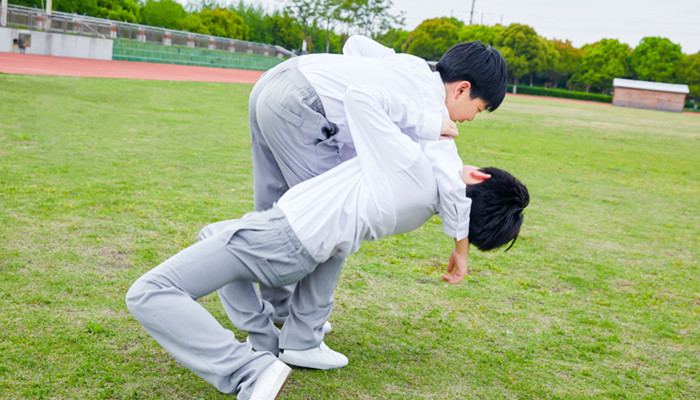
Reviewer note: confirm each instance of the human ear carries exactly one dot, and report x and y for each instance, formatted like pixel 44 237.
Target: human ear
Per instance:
pixel 464 86
pixel 459 87
pixel 471 175
pixel 479 175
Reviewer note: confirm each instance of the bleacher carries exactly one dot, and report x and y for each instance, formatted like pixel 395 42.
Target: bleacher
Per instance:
pixel 132 50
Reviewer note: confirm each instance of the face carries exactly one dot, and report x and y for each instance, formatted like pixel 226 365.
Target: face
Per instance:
pixel 460 105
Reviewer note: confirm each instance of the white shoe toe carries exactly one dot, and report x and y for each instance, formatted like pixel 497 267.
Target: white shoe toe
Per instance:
pixel 271 381
pixel 321 357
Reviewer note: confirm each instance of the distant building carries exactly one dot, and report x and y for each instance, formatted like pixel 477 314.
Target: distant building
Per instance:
pixel 649 95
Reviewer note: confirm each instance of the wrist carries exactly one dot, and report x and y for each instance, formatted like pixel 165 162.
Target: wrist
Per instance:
pixel 462 246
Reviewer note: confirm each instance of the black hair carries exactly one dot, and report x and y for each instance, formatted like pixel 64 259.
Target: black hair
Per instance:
pixel 497 210
pixel 483 66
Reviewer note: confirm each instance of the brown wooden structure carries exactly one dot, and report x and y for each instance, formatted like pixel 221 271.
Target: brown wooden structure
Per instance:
pixel 649 95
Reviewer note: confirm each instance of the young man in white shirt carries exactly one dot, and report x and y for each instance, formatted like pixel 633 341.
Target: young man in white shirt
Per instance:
pixel 300 128
pixel 389 188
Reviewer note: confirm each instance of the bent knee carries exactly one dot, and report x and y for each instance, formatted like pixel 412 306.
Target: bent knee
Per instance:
pixel 134 295
pixel 212 229
pixel 204 233
pixel 139 297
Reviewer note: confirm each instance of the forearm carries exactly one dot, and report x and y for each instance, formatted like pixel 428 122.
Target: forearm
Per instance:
pixel 454 205
pixel 462 247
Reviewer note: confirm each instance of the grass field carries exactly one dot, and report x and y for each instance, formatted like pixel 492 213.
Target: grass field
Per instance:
pixel 100 180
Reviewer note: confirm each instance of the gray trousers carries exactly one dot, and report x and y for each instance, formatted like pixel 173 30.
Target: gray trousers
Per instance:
pixel 260 247
pixel 291 141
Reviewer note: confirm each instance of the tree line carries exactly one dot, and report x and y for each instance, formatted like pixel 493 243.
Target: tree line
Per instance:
pixel 324 25
pixel 557 63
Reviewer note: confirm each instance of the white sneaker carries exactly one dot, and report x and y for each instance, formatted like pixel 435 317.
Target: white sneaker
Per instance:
pixel 321 357
pixel 271 381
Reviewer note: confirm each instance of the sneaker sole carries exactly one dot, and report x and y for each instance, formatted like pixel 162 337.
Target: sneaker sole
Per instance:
pixel 299 362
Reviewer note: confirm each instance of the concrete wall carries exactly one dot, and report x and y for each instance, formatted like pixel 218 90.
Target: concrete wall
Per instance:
pixel 648 99
pixel 58 44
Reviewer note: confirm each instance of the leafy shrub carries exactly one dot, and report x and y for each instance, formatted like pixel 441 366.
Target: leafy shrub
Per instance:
pixel 562 93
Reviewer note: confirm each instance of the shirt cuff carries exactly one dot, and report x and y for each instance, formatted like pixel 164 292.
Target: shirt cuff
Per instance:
pixel 458 234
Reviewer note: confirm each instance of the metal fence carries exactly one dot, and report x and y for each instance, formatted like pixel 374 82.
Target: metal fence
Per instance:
pixel 37 19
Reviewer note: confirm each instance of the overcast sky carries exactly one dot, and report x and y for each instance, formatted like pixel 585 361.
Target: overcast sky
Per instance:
pixel 581 21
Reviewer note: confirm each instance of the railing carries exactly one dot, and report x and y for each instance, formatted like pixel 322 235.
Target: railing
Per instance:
pixel 38 19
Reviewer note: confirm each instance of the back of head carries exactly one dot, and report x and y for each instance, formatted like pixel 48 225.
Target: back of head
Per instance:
pixel 483 66
pixel 497 209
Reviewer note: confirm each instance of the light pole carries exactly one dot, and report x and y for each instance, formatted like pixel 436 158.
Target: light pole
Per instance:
pixel 470 16
pixel 3 13
pixel 48 15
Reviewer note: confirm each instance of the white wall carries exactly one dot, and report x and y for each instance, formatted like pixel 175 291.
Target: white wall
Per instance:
pixel 58 44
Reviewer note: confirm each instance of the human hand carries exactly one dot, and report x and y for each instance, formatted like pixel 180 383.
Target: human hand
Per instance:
pixel 449 128
pixel 456 268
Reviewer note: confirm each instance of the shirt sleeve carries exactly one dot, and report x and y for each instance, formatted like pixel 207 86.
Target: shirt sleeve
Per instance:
pixel 455 206
pixel 380 144
pixel 358 45
pixel 429 92
pixel 422 123
pixel 429 125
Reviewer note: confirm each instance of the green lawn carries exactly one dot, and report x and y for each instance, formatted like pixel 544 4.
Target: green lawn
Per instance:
pixel 101 180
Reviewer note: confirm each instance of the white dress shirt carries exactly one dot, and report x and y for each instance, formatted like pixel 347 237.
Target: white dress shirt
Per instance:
pixel 410 79
pixel 419 103
pixel 389 188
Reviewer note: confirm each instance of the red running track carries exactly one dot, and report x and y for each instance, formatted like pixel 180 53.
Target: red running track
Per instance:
pixel 30 64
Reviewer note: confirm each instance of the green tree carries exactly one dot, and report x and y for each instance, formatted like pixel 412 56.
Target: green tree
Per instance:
pixel 30 3
pixel 82 7
pixel 655 59
pixel 524 51
pixel 304 11
pixel 568 58
pixel 459 24
pixel 254 17
pixel 547 58
pixel 431 39
pixel 216 22
pixel 689 73
pixel 283 30
pixel 371 17
pixel 482 33
pixel 193 23
pixel 118 10
pixel 329 11
pixel 320 39
pixel 604 61
pixel 163 13
pixel 195 6
pixel 393 38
